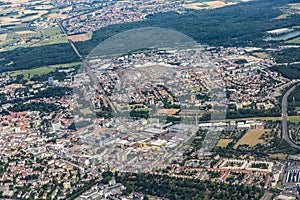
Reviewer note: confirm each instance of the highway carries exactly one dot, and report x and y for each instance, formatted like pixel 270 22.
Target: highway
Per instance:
pixel 284 115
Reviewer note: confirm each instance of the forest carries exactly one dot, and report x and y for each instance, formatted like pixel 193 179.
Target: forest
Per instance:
pixel 247 113
pixel 291 71
pixel 241 25
pixel 35 106
pixel 33 57
pixel 287 55
pixel 294 101
pixel 178 188
pixel 287 58
pixel 244 24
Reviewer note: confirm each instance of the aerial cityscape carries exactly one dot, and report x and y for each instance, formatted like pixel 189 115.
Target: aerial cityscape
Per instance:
pixel 150 99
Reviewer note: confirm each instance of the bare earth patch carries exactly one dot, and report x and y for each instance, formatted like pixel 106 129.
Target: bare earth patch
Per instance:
pixel 196 6
pixel 57 16
pixel 210 4
pixel 278 31
pixel 3 37
pixel 224 142
pixel 79 37
pixel 295 6
pixel 86 111
pixel 168 111
pixel 281 156
pixel 215 4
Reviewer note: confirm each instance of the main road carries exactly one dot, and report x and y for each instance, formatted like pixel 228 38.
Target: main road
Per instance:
pixel 87 67
pixel 284 128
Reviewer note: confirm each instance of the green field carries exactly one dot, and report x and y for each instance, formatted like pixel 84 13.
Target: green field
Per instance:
pixel 10 36
pixel 43 70
pixel 10 48
pixel 294 41
pixel 90 34
pixel 55 37
pixel 294 118
pixel 52 31
pixel 142 109
pixel 8 42
pixel 58 39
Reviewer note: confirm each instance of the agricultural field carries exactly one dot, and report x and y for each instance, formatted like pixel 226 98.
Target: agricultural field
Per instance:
pixel 20 11
pixel 14 19
pixel 210 4
pixel 25 34
pixel 14 40
pixel 279 31
pixel 3 37
pixel 252 138
pixel 291 9
pixel 80 37
pixel 58 39
pixel 59 14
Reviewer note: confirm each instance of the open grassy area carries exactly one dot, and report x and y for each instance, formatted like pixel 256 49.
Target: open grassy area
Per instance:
pixel 86 111
pixel 7 43
pixel 224 142
pixel 52 31
pixel 142 109
pixel 280 156
pixel 290 118
pixel 261 55
pixel 10 48
pixel 43 70
pixel 252 138
pixel 294 118
pixel 58 39
pixel 294 41
pixel 10 36
pixel 90 34
pixel 259 118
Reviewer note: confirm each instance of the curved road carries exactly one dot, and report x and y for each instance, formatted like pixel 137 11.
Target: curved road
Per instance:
pixel 284 128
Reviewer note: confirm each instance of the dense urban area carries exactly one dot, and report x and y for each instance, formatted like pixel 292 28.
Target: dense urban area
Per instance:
pixel 156 99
